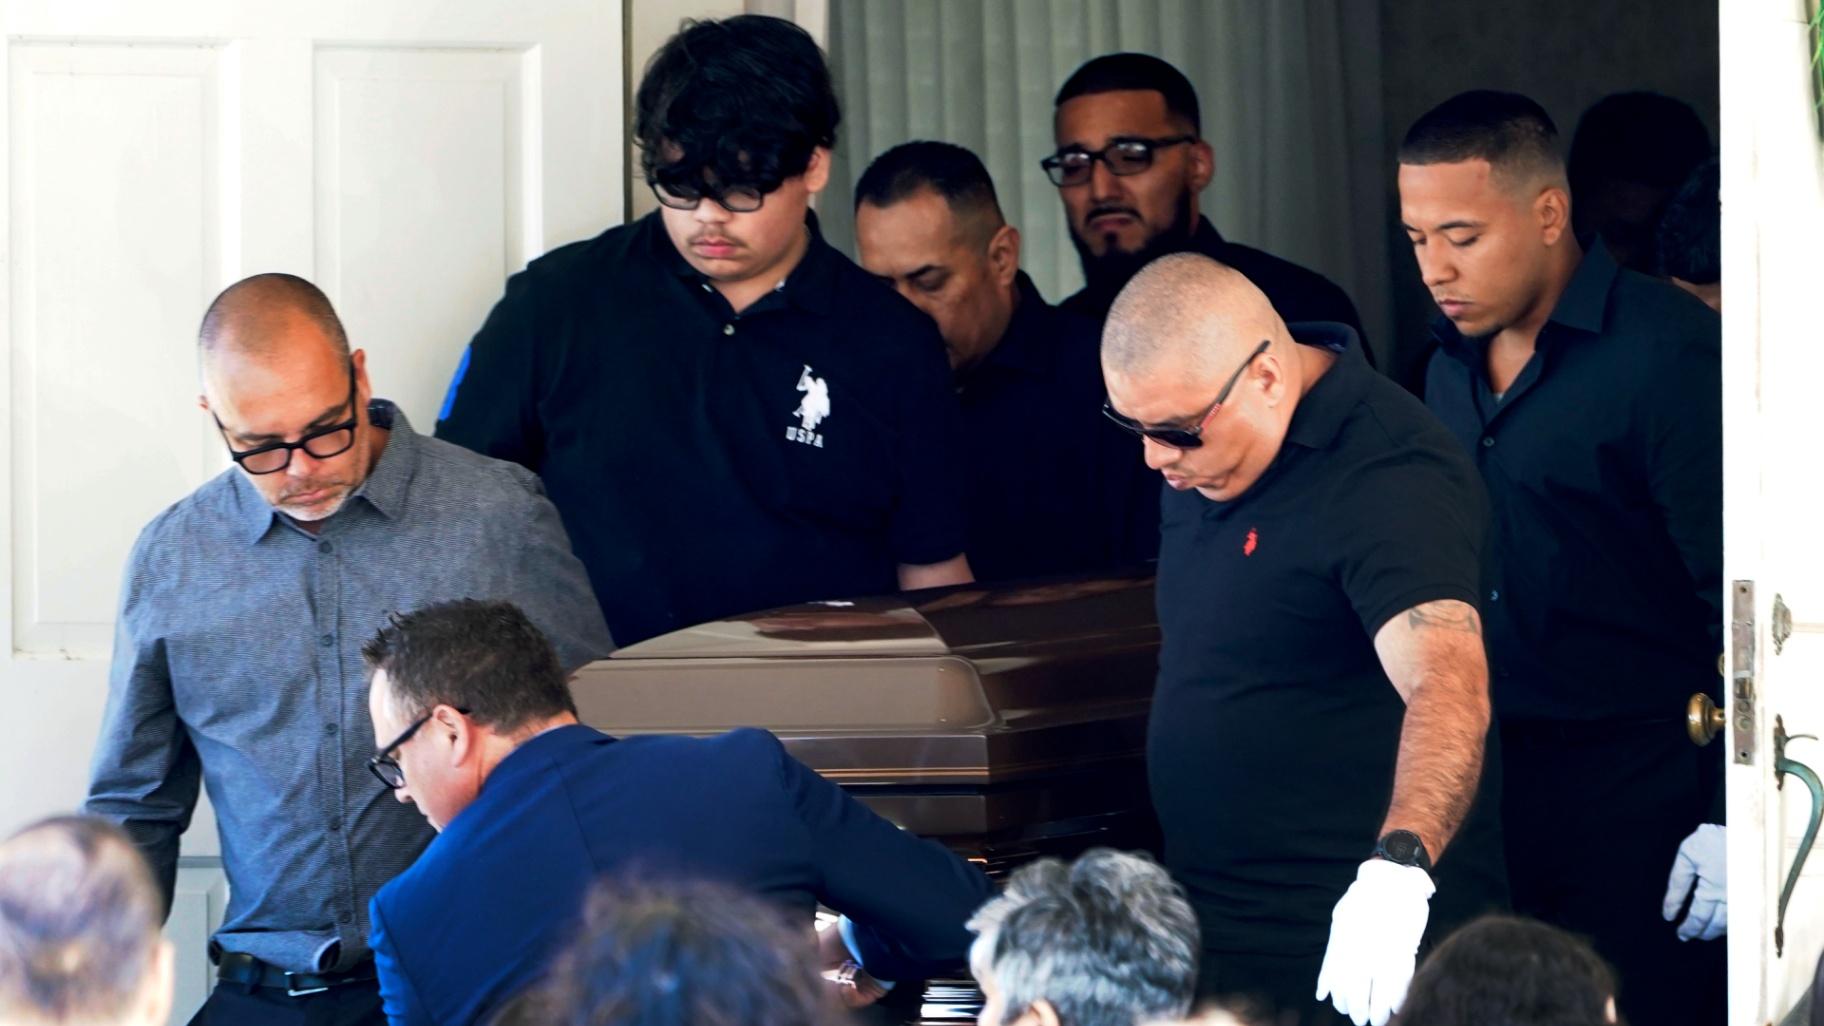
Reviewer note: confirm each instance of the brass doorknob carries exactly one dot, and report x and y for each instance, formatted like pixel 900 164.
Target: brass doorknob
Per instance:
pixel 1703 720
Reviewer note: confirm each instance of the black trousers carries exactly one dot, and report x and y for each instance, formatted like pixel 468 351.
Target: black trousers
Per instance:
pixel 1594 816
pixel 230 1004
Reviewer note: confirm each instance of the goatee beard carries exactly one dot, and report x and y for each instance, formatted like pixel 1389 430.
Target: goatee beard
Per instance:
pixel 1105 275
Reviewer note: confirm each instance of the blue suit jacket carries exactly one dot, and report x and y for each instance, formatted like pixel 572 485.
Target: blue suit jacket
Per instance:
pixel 487 905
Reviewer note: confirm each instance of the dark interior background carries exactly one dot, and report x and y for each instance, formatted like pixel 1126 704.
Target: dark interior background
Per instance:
pixel 1566 54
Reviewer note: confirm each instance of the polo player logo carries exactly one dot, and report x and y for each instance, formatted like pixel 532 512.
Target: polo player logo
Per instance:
pixel 811 411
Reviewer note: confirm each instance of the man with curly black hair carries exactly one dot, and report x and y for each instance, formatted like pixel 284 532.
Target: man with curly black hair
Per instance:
pixel 729 413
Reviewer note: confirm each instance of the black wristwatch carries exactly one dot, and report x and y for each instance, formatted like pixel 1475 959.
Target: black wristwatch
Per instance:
pixel 1403 847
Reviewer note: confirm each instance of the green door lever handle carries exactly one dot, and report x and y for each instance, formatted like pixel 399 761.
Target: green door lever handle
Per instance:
pixel 1782 766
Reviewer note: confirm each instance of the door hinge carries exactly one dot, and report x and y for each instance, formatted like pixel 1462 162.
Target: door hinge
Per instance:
pixel 1741 677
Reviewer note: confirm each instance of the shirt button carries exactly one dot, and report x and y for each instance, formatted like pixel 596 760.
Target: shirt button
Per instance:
pixel 344 918
pixel 325 547
pixel 728 329
pixel 327 640
pixel 1488 441
pixel 330 728
pixel 335 826
pixel 1494 596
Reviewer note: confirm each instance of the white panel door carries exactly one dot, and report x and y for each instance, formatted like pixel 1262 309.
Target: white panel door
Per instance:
pixel 1773 242
pixel 407 156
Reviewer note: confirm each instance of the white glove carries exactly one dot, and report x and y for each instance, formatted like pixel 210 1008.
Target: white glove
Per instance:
pixel 1703 860
pixel 1374 940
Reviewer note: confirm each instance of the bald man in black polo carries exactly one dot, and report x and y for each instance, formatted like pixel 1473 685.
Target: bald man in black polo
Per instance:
pixel 1318 729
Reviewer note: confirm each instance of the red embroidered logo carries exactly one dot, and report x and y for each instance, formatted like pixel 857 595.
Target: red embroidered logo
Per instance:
pixel 1253 542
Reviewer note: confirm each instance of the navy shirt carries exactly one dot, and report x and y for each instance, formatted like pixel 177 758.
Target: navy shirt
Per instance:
pixel 1274 730
pixel 709 463
pixel 1054 487
pixel 1297 293
pixel 1604 463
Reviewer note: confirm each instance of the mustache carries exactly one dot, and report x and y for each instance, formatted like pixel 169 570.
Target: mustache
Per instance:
pixel 1095 212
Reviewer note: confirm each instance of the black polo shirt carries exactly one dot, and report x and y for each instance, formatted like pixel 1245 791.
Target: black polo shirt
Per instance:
pixel 1604 462
pixel 1297 293
pixel 708 463
pixel 1054 487
pixel 1274 729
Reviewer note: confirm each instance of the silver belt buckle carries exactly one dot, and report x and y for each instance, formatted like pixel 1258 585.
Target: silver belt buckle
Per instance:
pixel 291 991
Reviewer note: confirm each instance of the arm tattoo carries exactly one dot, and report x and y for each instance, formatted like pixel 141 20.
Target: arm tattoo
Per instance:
pixel 1445 615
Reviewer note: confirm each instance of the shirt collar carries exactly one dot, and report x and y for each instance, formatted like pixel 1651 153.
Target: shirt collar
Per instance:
pixel 1586 297
pixel 1582 305
pixel 1026 347
pixel 810 285
pixel 1207 240
pixel 537 753
pixel 385 487
pixel 1323 409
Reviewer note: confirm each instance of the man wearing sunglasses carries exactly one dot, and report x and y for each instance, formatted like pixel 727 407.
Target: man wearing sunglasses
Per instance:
pixel 532 807
pixel 1131 166
pixel 237 656
pixel 728 412
pixel 1318 727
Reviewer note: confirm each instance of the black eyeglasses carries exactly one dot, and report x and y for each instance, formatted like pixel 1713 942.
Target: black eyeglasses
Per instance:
pixel 381 763
pixel 736 199
pixel 1123 157
pixel 322 443
pixel 1185 437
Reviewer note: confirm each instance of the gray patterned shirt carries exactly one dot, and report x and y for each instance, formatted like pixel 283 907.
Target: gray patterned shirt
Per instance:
pixel 237 663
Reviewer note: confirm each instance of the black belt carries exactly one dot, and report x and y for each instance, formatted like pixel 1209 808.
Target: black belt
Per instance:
pixel 244 969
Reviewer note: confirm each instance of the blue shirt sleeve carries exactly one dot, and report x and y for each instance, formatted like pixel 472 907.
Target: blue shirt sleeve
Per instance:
pixel 146 774
pixel 907 897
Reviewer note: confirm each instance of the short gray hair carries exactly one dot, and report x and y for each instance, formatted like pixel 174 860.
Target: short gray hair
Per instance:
pixel 79 922
pixel 1107 940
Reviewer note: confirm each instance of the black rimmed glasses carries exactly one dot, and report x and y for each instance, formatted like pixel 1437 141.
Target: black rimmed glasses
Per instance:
pixel 381 764
pixel 736 199
pixel 322 444
pixel 1125 156
pixel 1185 437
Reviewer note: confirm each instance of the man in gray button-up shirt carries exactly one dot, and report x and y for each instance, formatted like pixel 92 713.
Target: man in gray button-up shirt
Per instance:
pixel 237 661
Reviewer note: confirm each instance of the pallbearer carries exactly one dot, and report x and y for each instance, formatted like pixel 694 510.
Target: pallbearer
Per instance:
pixel 1591 398
pixel 1317 732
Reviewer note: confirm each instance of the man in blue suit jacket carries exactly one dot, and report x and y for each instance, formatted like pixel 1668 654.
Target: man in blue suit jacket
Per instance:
pixel 532 807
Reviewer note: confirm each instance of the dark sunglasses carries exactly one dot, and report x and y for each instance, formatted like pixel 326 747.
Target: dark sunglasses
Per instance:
pixel 1185 437
pixel 381 763
pixel 322 443
pixel 736 199
pixel 1123 157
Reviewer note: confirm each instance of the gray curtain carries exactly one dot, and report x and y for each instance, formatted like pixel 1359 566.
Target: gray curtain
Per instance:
pixel 1290 91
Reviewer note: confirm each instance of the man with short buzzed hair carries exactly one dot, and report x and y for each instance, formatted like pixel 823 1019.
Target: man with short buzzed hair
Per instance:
pixel 79 938
pixel 237 653
pixel 1590 397
pixel 1321 676
pixel 927 223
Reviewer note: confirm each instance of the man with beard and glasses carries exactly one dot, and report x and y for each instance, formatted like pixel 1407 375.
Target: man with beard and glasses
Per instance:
pixel 1590 398
pixel 237 657
pixel 729 413
pixel 1130 166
